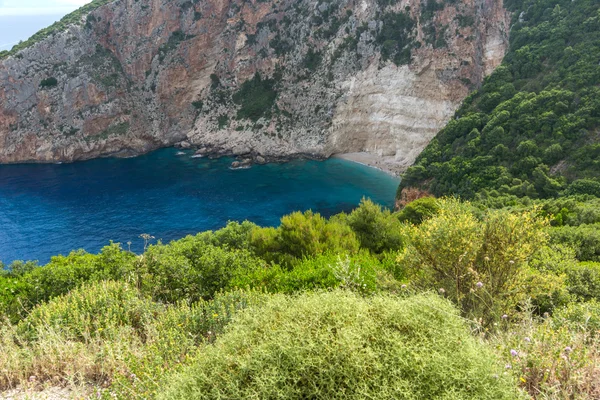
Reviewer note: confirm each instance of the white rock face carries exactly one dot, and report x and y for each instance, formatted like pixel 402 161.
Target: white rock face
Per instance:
pixel 392 112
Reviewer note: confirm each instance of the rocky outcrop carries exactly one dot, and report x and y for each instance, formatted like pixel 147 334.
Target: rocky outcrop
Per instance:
pixel 259 78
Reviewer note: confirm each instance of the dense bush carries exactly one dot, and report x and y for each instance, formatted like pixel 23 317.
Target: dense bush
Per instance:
pixel 585 239
pixel 341 346
pixel 417 211
pixel 189 269
pixel 530 131
pixel 93 309
pixel 303 235
pixel 256 98
pixel 477 264
pixel 583 281
pixel 377 230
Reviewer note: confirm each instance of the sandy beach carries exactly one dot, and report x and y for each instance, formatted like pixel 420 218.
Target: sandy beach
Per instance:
pixel 385 164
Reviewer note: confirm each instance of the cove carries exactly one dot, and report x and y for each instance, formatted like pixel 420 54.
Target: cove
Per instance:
pixel 48 209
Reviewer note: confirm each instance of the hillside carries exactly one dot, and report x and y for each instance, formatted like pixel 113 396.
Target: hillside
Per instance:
pixel 442 300
pixel 532 130
pixel 255 78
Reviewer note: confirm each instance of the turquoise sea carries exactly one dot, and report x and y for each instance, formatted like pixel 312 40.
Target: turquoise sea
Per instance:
pixel 48 209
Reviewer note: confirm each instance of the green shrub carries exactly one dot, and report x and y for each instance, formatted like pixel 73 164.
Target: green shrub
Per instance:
pixel 98 309
pixel 303 235
pixel 585 239
pixel 362 272
pixel 189 269
pixel 583 281
pixel 48 83
pixel 64 273
pixel 579 317
pixel 477 264
pixel 546 291
pixel 256 98
pixel 376 229
pixel 340 346
pixel 417 211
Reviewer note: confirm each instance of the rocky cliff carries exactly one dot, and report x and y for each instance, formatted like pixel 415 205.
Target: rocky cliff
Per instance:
pixel 269 78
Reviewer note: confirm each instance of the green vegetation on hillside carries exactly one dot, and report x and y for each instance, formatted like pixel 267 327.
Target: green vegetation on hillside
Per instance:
pixel 532 129
pixel 74 18
pixel 443 299
pixel 256 98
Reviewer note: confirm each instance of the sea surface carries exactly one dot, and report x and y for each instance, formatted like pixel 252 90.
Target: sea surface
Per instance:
pixel 50 209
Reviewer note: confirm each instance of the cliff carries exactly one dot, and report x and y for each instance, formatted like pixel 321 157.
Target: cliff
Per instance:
pixel 258 78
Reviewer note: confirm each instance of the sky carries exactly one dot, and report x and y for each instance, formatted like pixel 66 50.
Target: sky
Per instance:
pixel 19 19
pixel 39 7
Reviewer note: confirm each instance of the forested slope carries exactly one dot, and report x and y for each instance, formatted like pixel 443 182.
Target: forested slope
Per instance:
pixel 532 128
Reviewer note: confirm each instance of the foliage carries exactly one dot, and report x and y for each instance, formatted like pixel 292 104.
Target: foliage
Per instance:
pixel 93 309
pixel 585 239
pixel 396 37
pixel 189 269
pixel 477 264
pixel 417 211
pixel 31 286
pixel 583 281
pixel 362 272
pixel 551 360
pixel 48 83
pixel 339 345
pixel 377 230
pixel 256 98
pixel 531 130
pixel 302 235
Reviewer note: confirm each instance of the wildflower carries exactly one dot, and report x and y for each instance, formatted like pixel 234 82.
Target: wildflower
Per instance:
pixel 511 262
pixel 527 339
pixel 504 316
pixel 215 315
pixel 442 291
pixel 514 353
pixel 568 349
pixel 486 258
pixel 479 284
pixel 508 366
pixel 403 286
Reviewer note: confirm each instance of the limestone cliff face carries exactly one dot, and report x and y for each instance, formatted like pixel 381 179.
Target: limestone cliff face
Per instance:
pixel 273 78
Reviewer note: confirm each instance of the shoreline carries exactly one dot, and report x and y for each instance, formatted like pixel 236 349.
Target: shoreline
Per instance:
pixel 370 160
pixel 364 158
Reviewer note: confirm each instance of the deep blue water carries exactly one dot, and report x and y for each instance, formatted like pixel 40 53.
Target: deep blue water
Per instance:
pixel 48 209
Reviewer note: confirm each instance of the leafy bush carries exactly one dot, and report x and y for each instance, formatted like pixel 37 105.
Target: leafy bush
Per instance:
pixel 339 345
pixel 189 269
pixel 362 272
pixel 48 83
pixel 32 286
pixel 583 281
pixel 585 239
pixel 376 229
pixel 417 211
pixel 477 264
pixel 99 309
pixel 303 235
